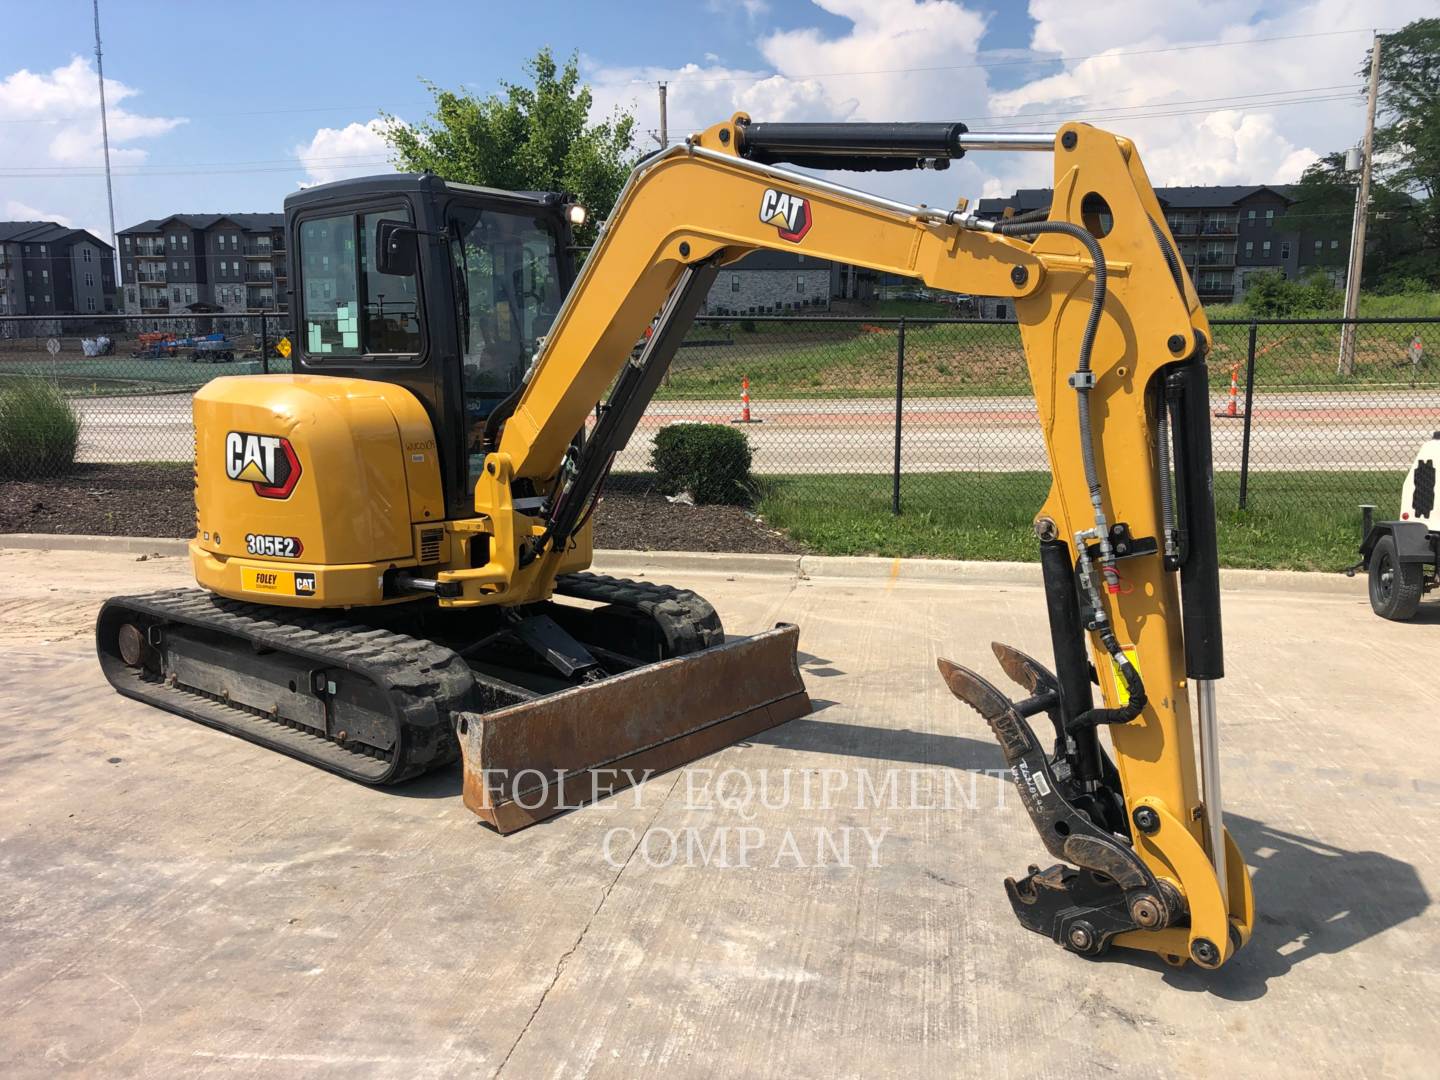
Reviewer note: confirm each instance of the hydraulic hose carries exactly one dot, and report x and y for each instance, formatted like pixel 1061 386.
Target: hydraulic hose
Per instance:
pixel 1083 382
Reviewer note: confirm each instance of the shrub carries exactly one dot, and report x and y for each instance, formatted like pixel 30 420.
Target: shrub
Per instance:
pixel 711 461
pixel 39 430
pixel 1271 294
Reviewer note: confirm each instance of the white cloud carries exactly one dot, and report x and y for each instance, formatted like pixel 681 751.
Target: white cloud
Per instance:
pixel 50 123
pixel 1131 61
pixel 891 42
pixel 358 149
pixel 15 210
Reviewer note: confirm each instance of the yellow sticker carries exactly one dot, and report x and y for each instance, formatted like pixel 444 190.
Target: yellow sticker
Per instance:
pixel 267 581
pixel 1121 690
pixel 283 347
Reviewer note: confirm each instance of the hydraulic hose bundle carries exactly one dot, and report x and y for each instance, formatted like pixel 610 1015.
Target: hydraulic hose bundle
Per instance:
pixel 1083 382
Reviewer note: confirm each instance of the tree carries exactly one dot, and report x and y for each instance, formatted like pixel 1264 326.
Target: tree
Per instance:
pixel 1407 144
pixel 527 138
pixel 1407 139
pixel 1395 249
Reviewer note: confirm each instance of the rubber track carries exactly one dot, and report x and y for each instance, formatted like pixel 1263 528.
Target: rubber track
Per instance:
pixel 423 680
pixel 686 618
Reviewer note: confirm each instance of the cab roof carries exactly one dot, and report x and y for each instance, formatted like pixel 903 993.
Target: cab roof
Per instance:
pixel 425 183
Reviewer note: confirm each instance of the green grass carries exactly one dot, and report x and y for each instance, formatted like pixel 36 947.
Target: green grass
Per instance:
pixel 119 374
pixel 1295 521
pixel 809 359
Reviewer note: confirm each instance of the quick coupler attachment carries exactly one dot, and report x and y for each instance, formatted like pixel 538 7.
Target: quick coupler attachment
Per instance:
pixel 1107 890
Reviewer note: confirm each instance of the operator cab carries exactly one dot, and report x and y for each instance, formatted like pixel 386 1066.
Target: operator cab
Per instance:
pixel 445 289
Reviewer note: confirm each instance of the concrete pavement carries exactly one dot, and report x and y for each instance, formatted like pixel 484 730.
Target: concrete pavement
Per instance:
pixel 176 902
pixel 1292 430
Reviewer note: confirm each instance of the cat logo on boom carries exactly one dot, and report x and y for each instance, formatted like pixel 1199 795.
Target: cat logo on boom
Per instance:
pixel 266 462
pixel 790 214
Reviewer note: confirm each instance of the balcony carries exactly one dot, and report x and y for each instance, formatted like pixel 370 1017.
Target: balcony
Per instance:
pixel 1219 228
pixel 149 276
pixel 257 251
pixel 1213 258
pixel 154 307
pixel 150 250
pixel 1184 228
pixel 258 275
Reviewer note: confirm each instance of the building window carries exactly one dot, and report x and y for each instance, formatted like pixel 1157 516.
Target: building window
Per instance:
pixel 44 275
pixel 800 283
pixel 189 296
pixel 185 241
pixel 175 295
pixel 1285 249
pixel 47 298
pixel 173 266
pixel 86 255
pixel 1319 245
pixel 186 264
pixel 89 279
pixel 1249 247
pixel 89 303
pixel 127 243
pixel 1250 217
pixel 734 282
pixel 1265 249
pixel 43 252
pixel 1334 245
pixel 130 296
pixel 1269 218
pixel 172 241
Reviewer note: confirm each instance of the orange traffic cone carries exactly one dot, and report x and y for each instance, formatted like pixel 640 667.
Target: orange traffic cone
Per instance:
pixel 745 417
pixel 1231 410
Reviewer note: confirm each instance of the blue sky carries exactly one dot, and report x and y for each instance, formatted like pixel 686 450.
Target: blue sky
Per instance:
pixel 224 107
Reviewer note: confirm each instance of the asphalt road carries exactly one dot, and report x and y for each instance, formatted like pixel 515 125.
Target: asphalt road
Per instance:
pixel 1291 430
pixel 175 902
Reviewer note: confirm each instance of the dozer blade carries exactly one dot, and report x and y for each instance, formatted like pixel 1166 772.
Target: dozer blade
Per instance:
pixel 527 762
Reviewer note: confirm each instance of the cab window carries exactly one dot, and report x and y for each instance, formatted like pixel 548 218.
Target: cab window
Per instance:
pixel 509 290
pixel 349 308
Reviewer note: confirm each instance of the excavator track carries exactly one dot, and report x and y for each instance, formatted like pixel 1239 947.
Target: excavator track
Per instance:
pixel 685 620
pixel 367 703
pixel 370 702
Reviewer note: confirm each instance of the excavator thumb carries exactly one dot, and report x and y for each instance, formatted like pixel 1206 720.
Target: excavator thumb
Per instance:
pixel 1113 891
pixel 558 752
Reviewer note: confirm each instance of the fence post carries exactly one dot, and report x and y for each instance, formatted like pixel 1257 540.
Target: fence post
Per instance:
pixel 899 411
pixel 1249 411
pixel 264 346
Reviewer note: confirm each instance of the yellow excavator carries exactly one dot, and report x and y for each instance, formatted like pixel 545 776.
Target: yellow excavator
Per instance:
pixel 392 543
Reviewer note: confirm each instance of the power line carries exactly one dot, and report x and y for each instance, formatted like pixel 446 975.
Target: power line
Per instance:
pixel 1233 103
pixel 1008 63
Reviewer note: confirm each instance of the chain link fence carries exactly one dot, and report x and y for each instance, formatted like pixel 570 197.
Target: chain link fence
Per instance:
pixel 906 412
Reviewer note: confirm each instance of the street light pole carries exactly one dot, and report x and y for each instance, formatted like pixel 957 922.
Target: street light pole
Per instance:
pixel 105 138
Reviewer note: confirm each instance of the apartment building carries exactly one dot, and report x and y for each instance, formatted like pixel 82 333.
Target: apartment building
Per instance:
pixel 775 282
pixel 51 269
pixel 1228 234
pixel 205 263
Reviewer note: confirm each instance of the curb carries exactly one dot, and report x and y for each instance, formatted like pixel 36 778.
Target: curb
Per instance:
pixel 125 545
pixel 734 564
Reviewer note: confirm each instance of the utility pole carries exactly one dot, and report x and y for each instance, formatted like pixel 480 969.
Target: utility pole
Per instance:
pixel 1346 363
pixel 664 137
pixel 105 137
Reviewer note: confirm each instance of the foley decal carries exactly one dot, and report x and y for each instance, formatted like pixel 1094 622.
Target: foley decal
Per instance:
pixel 790 214
pixel 277 582
pixel 266 462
